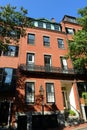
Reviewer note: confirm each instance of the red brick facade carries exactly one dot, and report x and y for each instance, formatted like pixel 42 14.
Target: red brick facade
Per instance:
pixel 62 82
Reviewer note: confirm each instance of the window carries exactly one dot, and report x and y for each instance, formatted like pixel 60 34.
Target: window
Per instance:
pixel 70 31
pixel 14 33
pixel 57 27
pixel 30 61
pixel 60 43
pixel 48 26
pixel 11 51
pixel 46 41
pixel 64 63
pixel 30 90
pixel 40 24
pixel 31 38
pixel 7 77
pixel 1 76
pixel 47 62
pixel 50 92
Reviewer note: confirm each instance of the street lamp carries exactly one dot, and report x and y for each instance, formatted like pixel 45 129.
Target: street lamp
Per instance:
pixel 42 97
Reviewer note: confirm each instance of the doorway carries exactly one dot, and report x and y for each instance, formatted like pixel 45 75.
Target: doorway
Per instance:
pixel 4 113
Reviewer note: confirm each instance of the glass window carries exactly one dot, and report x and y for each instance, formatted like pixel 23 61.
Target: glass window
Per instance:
pixel 57 27
pixel 70 31
pixel 60 43
pixel 7 77
pixel 50 92
pixel 31 38
pixel 47 63
pixel 11 51
pixel 30 90
pixel 14 33
pixel 30 61
pixel 46 41
pixel 48 25
pixel 40 24
pixel 64 63
pixel 35 23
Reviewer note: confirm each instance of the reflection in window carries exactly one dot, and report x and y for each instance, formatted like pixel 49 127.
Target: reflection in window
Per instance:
pixel 50 92
pixel 70 30
pixel 8 80
pixel 8 75
pixel 30 88
pixel 46 41
pixel 11 51
pixel 31 38
pixel 60 43
pixel 48 25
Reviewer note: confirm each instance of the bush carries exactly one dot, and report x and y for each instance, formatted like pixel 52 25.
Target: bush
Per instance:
pixel 72 113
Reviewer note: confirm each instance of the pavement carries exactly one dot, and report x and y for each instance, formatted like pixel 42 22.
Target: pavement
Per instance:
pixel 76 127
pixel 82 126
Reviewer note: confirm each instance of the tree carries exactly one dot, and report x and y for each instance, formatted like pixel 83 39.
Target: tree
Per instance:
pixel 78 46
pixel 13 24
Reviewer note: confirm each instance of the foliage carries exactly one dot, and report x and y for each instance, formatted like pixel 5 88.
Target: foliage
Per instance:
pixel 72 113
pixel 78 46
pixel 12 24
pixel 84 95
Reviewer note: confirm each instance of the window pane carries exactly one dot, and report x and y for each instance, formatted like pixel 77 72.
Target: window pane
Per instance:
pixel 64 63
pixel 50 92
pixel 40 24
pixel 70 31
pixel 60 43
pixel 46 41
pixel 11 51
pixel 47 60
pixel 57 27
pixel 31 38
pixel 7 76
pixel 30 88
pixel 48 25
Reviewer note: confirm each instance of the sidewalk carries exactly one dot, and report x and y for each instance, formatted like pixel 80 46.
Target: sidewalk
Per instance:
pixel 76 127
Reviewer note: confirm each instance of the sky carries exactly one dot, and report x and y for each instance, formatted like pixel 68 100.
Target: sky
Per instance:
pixel 48 8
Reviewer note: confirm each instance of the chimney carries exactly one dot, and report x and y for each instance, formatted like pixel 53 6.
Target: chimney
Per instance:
pixel 53 20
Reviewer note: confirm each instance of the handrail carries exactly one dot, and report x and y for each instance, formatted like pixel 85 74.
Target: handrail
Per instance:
pixel 40 68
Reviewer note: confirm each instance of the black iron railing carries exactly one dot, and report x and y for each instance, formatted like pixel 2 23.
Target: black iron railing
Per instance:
pixel 51 69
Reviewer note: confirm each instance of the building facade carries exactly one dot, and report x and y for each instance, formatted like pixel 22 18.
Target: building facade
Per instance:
pixel 37 79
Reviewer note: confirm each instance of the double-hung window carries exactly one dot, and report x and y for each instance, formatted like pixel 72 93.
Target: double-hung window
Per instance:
pixel 8 79
pixel 47 63
pixel 50 92
pixel 48 26
pixel 30 61
pixel 46 41
pixel 60 43
pixel 30 92
pixel 40 24
pixel 64 64
pixel 11 51
pixel 31 39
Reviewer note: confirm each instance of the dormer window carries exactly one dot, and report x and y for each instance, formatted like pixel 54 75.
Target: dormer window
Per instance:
pixel 40 24
pixel 48 25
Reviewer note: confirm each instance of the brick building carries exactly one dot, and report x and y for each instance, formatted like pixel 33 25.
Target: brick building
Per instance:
pixel 36 79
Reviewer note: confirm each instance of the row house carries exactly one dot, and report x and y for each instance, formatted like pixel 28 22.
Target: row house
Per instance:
pixel 37 83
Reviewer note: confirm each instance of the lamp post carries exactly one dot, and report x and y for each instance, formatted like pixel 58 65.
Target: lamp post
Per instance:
pixel 42 97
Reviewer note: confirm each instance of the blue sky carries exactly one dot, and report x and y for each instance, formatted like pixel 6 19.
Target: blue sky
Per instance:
pixel 48 8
